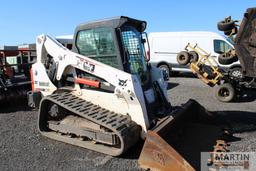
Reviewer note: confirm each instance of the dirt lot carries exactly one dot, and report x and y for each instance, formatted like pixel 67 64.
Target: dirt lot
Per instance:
pixel 23 148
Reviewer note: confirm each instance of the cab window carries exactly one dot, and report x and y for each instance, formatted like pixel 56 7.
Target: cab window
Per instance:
pixel 98 44
pixel 135 52
pixel 221 46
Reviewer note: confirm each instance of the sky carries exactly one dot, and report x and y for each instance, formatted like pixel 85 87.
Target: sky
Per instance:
pixel 23 20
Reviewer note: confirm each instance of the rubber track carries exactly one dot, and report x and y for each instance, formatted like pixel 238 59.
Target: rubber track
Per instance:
pixel 122 125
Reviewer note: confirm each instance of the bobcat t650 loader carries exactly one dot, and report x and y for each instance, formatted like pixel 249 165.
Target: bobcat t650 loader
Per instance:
pixel 104 96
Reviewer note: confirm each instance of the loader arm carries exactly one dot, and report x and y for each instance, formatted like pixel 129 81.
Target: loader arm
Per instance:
pixel 127 86
pixel 64 58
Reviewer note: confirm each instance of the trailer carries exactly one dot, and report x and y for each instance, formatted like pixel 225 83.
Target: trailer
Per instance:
pixel 15 63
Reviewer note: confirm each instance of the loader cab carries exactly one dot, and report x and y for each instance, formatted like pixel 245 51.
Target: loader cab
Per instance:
pixel 116 42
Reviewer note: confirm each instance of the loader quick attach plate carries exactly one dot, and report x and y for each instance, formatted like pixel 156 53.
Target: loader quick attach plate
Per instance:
pixel 120 131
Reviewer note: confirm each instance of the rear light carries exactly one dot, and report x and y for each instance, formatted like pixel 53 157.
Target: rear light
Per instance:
pixel 32 79
pixel 148 56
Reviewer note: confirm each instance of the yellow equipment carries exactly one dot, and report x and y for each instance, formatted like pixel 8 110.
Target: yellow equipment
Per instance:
pixel 204 67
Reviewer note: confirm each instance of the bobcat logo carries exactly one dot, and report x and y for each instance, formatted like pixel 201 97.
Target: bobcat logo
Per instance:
pixel 122 83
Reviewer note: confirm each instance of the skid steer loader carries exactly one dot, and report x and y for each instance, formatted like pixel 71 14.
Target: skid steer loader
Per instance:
pixel 104 96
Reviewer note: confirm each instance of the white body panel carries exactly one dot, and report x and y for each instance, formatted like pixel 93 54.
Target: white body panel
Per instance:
pixel 128 98
pixel 164 46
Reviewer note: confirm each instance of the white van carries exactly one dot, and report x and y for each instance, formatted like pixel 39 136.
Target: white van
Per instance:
pixel 164 47
pixel 65 40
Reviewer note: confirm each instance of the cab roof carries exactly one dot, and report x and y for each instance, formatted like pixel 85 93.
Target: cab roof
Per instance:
pixel 114 22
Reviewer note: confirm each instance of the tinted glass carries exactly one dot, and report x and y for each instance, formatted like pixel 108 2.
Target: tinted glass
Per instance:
pixel 221 46
pixel 98 44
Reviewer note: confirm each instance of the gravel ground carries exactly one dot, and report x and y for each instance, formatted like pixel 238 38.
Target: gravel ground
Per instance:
pixel 23 148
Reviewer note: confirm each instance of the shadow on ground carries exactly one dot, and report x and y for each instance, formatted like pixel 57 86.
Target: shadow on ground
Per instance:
pixel 245 96
pixel 9 107
pixel 197 137
pixel 240 121
pixel 183 75
pixel 171 85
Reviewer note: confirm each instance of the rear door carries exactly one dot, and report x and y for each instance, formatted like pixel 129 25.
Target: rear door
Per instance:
pixel 165 48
